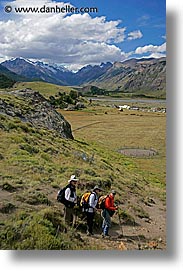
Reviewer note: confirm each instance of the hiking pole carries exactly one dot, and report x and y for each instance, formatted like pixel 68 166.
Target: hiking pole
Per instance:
pixel 58 229
pixel 120 224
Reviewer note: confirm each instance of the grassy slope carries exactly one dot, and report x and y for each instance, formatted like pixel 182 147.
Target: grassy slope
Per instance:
pixel 46 89
pixel 34 163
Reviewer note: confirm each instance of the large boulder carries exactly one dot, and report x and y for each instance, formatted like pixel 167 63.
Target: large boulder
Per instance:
pixel 30 106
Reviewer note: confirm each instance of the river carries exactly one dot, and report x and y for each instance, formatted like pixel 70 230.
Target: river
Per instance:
pixel 129 100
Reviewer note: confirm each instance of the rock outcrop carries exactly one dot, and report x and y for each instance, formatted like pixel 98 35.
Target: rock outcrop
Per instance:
pixel 30 106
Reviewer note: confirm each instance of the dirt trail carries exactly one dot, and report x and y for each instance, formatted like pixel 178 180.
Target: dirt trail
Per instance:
pixel 113 243
pixel 149 234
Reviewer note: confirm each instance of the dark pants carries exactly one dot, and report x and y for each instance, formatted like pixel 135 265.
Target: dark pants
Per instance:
pixel 90 217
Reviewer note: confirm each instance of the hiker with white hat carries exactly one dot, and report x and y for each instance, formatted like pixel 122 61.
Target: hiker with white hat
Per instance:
pixel 92 203
pixel 70 201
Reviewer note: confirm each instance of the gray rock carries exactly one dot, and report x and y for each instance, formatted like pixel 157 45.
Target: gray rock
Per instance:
pixel 30 106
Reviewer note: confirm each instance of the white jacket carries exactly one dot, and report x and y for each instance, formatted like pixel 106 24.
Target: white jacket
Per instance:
pixel 68 196
pixel 93 200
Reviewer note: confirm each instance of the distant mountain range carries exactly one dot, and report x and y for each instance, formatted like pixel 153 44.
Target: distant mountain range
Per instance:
pixel 53 73
pixel 142 75
pixel 37 70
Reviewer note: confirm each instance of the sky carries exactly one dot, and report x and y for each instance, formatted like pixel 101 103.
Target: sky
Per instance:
pixel 116 31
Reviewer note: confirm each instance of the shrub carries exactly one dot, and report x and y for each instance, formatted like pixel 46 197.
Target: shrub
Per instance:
pixel 34 198
pixel 8 187
pixel 140 212
pixel 26 128
pixel 73 94
pixel 30 149
pixel 1 157
pixel 126 217
pixel 7 208
pixel 11 125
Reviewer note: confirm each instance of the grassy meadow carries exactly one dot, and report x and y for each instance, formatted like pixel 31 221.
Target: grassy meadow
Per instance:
pixel 111 129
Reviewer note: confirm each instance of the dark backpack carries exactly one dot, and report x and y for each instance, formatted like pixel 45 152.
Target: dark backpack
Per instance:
pixel 61 195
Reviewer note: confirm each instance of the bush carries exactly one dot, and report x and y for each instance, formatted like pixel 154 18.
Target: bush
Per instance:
pixel 8 187
pixel 73 94
pixel 7 208
pixel 30 149
pixel 140 212
pixel 11 125
pixel 34 198
pixel 1 157
pixel 126 217
pixel 41 198
pixel 62 99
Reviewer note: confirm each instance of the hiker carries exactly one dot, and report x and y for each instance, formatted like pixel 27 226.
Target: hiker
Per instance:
pixel 107 213
pixel 90 212
pixel 70 201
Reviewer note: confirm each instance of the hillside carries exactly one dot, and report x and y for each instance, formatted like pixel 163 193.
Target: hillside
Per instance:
pixel 36 160
pixel 90 73
pixel 8 78
pixel 139 77
pixel 6 82
pixel 11 75
pixel 46 89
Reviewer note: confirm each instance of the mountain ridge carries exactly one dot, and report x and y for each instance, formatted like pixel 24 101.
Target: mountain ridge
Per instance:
pixel 53 73
pixel 135 75
pixel 130 76
pixel 35 70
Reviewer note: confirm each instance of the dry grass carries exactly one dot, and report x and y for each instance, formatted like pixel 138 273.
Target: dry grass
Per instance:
pixel 112 129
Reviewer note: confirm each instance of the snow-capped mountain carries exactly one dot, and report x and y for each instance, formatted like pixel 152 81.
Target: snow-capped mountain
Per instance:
pixel 54 73
pixel 37 70
pixel 51 66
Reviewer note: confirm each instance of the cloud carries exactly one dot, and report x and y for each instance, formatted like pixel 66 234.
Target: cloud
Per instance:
pixel 151 49
pixel 157 55
pixel 134 35
pixel 62 38
pixel 143 20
